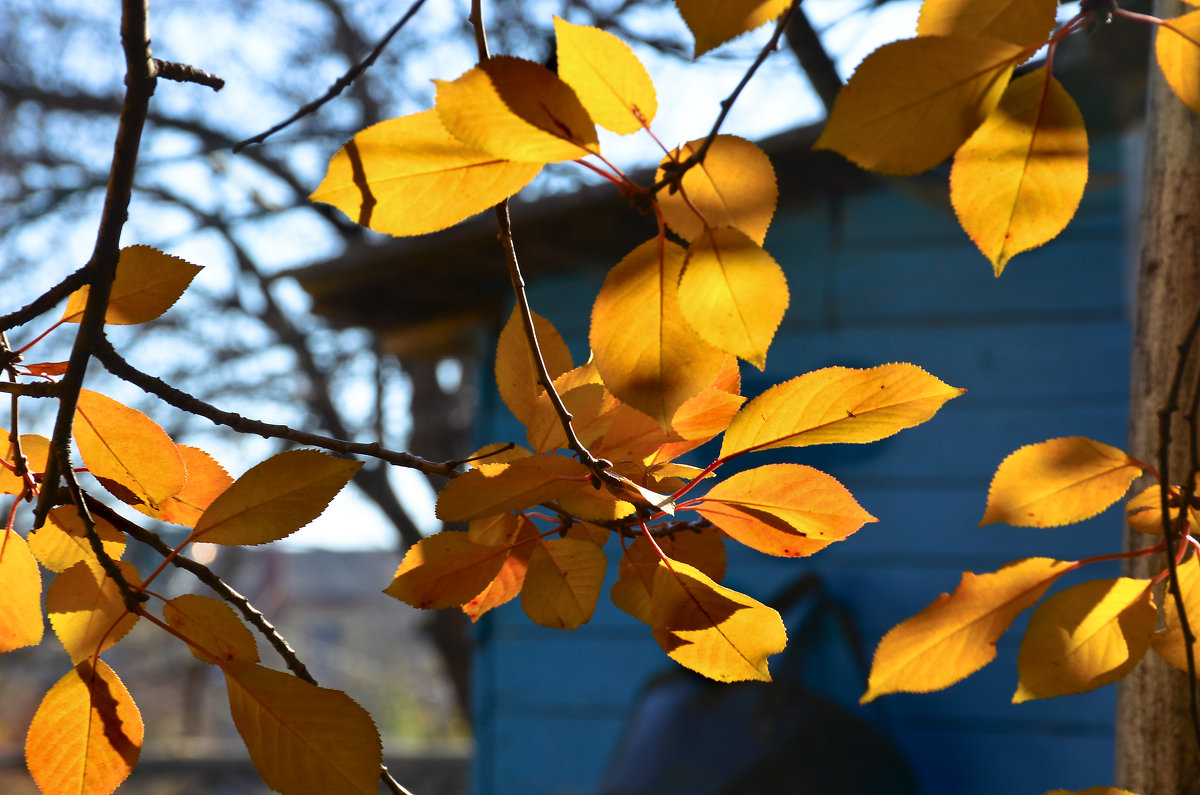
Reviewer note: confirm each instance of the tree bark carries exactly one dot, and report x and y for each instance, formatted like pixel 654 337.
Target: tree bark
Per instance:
pixel 1156 746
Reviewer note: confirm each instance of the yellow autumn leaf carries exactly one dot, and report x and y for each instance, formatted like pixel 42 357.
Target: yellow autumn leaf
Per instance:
pixel 1168 642
pixel 1144 512
pixel 1177 46
pixel 509 580
pixel 783 509
pixel 408 176
pixel 36 450
pixel 911 103
pixel 1017 181
pixel 713 630
pixel 21 621
pixel 123 447
pixel 733 294
pixel 87 733
pixel 1085 637
pixel 956 635
pixel 303 738
pixel 647 354
pixel 837 405
pixel 704 550
pixel 87 611
pixel 608 78
pixel 147 283
pixel 206 480
pixel 217 635
pixel 562 582
pixel 62 541
pixel 516 375
pixel 1058 482
pixel 1024 22
pixel 497 488
pixel 733 186
pixel 445 570
pixel 714 23
pixel 516 110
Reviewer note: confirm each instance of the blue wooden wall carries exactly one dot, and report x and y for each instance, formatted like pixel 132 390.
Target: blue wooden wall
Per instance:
pixel 875 277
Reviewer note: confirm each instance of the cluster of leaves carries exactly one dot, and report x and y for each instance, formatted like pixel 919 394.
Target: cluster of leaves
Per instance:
pixel 1019 144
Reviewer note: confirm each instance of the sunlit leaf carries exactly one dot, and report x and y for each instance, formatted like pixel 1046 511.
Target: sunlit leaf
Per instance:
pixel 733 186
pixel 607 77
pixel 21 595
pixel 911 103
pixel 1177 45
pixel 147 283
pixel 783 509
pixel 408 176
pixel 445 570
pixel 597 505
pixel 87 611
pixel 45 368
pixel 1017 181
pixel 511 577
pixel 516 375
pixel 303 738
pixel 36 450
pixel 206 480
pixel 837 405
pixel 1085 637
pixel 714 23
pixel 274 499
pixel 1169 642
pixel 86 735
pixel 516 110
pixel 124 446
pixel 217 635
pixel 1144 512
pixel 648 355
pixel 496 488
pixel 1058 482
pixel 956 635
pixel 563 582
pixel 1023 22
pixel 733 294
pixel 62 541
pixel 713 630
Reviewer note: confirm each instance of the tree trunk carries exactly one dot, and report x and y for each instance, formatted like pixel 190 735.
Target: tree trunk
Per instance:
pixel 1156 746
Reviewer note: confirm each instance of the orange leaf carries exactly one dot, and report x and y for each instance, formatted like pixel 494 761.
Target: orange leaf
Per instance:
pixel 733 186
pixel 218 635
pixel 714 23
pixel 45 368
pixel 408 176
pixel 733 293
pixel 148 283
pixel 1023 22
pixel 837 405
pixel 783 509
pixel 510 530
pixel 911 103
pixel 206 480
pixel 956 635
pixel 445 570
pixel 86 609
pixel 274 499
pixel 516 375
pixel 1085 637
pixel 516 110
pixel 123 446
pixel 705 550
pixel 646 352
pixel 303 738
pixel 714 631
pixel 1177 45
pixel 563 582
pixel 62 541
pixel 608 78
pixel 1016 183
pixel 21 597
pixel 496 488
pixel 1169 642
pixel 86 735
pixel 1058 482
pixel 36 450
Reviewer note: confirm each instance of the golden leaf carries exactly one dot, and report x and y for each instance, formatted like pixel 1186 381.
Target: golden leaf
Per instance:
pixel 497 488
pixel 87 611
pixel 1024 22
pixel 217 635
pixel 516 375
pixel 21 621
pixel 147 283
pixel 733 186
pixel 1177 46
pixel 36 450
pixel 607 77
pixel 562 582
pixel 714 23
pixel 206 480
pixel 1169 642
pixel 62 541
pixel 445 570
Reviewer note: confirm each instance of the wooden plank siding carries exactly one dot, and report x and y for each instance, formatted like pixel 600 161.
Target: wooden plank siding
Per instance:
pixel 874 277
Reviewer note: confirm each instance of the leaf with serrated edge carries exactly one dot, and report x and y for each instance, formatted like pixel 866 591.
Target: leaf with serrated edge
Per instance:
pixel 206 480
pixel 516 376
pixel 956 635
pixel 445 570
pixel 87 611
pixel 783 509
pixel 87 733
pixel 1085 637
pixel 1023 22
pixel 217 635
pixel 714 23
pixel 881 118
pixel 1177 47
pixel 21 621
pixel 733 186
pixel 511 578
pixel 1143 513
pixel 496 488
pixel 607 77
pixel 303 738
pixel 274 499
pixel 147 283
pixel 563 582
pixel 837 405
pixel 62 541
pixel 1058 482
pixel 1168 642
pixel 35 448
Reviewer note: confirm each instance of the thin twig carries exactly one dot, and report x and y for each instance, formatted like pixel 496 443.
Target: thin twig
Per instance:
pixel 44 302
pixel 133 599
pixel 38 389
pixel 340 85
pixel 183 73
